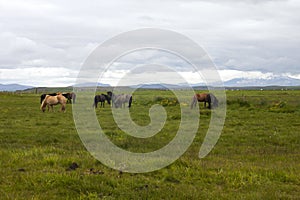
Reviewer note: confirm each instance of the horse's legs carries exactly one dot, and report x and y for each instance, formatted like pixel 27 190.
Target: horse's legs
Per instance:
pixel 63 108
pixel 194 101
pixel 130 101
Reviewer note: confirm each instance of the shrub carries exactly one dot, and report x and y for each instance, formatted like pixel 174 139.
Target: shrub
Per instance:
pixel 282 107
pixel 171 101
pixel 240 102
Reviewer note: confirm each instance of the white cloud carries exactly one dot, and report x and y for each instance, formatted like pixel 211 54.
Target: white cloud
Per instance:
pixel 296 76
pixel 36 76
pixel 227 75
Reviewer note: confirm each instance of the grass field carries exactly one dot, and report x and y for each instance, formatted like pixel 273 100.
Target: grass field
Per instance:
pixel 256 157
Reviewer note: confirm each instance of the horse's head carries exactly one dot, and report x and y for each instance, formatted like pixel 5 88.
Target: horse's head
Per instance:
pixel 43 106
pixel 109 93
pixel 214 100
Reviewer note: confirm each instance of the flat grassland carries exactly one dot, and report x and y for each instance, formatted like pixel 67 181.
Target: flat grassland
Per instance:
pixel 256 157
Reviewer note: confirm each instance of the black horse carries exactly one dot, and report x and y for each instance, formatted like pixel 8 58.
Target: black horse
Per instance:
pixel 70 96
pixel 101 98
pixel 44 95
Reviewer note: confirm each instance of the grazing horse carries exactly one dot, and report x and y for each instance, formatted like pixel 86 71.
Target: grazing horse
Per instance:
pixel 70 96
pixel 120 100
pixel 49 101
pixel 101 98
pixel 206 98
pixel 44 95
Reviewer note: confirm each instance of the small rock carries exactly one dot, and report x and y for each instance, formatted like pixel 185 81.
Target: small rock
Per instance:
pixel 73 166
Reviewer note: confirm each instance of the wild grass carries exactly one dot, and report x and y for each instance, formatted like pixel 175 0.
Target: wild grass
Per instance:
pixel 256 157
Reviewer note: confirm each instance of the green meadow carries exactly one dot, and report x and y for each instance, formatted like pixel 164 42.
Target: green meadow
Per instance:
pixel 256 157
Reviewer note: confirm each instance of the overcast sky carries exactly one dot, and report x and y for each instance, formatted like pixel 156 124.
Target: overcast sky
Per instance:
pixel 44 43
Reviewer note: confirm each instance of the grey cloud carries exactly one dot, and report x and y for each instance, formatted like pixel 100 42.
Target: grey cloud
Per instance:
pixel 244 35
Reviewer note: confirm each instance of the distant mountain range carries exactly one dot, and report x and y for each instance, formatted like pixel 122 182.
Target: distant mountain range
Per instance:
pixel 91 84
pixel 13 87
pixel 157 86
pixel 237 82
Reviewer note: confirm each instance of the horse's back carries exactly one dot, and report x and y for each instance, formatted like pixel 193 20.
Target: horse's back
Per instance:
pixel 61 99
pixel 53 100
pixel 202 96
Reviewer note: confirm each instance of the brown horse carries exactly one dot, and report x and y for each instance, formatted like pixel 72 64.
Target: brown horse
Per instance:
pixel 49 101
pixel 206 98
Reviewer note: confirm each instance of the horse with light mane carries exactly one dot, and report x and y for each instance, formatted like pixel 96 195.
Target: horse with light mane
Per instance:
pixel 50 101
pixel 206 98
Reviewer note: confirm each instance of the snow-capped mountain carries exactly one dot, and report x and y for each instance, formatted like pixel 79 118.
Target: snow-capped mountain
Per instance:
pixel 274 81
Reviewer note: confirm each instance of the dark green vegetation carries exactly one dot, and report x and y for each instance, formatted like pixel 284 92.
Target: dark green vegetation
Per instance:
pixel 256 157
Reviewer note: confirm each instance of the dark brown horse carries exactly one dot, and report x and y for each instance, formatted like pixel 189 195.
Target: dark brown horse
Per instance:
pixel 101 98
pixel 206 98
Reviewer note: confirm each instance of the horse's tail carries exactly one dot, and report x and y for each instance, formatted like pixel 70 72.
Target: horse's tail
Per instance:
pixel 95 102
pixel 43 104
pixel 194 101
pixel 130 101
pixel 42 97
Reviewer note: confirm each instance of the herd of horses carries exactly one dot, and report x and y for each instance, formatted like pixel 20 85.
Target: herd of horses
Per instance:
pixel 115 100
pixel 51 99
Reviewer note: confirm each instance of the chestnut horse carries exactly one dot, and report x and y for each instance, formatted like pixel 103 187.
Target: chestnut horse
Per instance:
pixel 206 98
pixel 49 101
pixel 44 95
